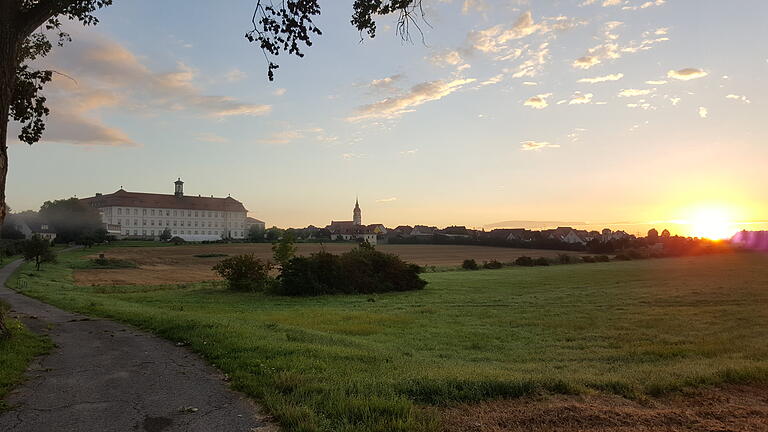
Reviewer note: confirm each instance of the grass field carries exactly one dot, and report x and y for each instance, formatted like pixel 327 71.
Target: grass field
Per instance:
pixel 395 362
pixel 188 263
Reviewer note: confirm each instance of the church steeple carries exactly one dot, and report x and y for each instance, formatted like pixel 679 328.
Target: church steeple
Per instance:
pixel 357 217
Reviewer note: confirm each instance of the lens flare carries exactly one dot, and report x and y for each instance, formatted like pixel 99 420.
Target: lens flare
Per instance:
pixel 712 223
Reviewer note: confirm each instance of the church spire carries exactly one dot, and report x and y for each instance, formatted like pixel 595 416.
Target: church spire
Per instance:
pixel 357 217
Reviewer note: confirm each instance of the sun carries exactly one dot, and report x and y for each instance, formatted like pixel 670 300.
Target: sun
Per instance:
pixel 712 223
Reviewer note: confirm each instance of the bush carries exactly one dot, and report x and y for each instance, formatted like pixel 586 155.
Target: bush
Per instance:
pixel 602 258
pixel 588 259
pixel 361 270
pixel 564 258
pixel 470 264
pixel 525 261
pixel 541 261
pixel 492 264
pixel 177 240
pixel 622 257
pixel 111 263
pixel 245 273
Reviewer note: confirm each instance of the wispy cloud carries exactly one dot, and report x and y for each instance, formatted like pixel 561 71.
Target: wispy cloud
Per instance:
pixel 604 78
pixel 211 138
pixel 687 74
pixel 740 98
pixel 580 99
pixel 386 200
pixel 703 112
pixel 635 92
pixel 536 145
pixel 538 101
pixel 396 106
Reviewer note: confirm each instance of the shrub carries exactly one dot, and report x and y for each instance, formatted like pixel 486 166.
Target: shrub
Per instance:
pixel 588 259
pixel 165 235
pixel 245 272
pixel 361 270
pixel 636 254
pixel 470 264
pixel 177 240
pixel 525 261
pixel 111 263
pixel 622 257
pixel 602 258
pixel 541 261
pixel 564 258
pixel 492 264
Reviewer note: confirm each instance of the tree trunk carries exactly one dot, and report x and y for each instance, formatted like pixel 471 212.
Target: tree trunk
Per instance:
pixel 8 63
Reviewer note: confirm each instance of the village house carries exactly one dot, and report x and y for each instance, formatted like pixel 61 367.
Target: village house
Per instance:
pixel 354 229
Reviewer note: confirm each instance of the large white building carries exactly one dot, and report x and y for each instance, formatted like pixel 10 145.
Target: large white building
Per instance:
pixel 193 218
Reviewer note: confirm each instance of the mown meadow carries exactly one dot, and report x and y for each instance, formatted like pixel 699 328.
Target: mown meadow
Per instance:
pixel 388 362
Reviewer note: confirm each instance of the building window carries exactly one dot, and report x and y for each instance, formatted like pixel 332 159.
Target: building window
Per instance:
pixel 189 213
pixel 174 212
pixel 195 214
pixel 143 232
pixel 174 223
pixel 153 212
pixel 135 212
pixel 144 212
pixel 167 212
pixel 119 211
pixel 136 222
pixel 135 232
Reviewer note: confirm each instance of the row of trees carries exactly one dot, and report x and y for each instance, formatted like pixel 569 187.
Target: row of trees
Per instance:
pixel 73 222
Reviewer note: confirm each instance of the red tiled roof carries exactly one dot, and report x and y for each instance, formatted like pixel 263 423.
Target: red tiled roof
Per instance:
pixel 123 198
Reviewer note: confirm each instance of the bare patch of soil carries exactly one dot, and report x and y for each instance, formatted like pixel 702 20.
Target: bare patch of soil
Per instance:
pixel 725 409
pixel 178 264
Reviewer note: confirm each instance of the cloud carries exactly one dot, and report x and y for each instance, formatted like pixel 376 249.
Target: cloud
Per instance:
pixel 409 152
pixel 386 200
pixel 536 145
pixel 686 74
pixel 635 92
pixel 645 5
pixel 106 75
pixel 279 92
pixel 703 112
pixel 235 75
pixel 738 98
pixel 496 39
pixel 538 101
pixel 604 78
pixel 492 80
pixel 533 63
pixel 290 135
pixel 610 49
pixel 580 99
pixel 386 84
pixel 211 138
pixel 474 5
pixel 452 58
pixel 351 156
pixel 396 106
pixel 530 83
pixel 607 3
pixel 656 82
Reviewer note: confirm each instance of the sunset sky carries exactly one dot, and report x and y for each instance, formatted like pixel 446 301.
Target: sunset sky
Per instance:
pixel 610 112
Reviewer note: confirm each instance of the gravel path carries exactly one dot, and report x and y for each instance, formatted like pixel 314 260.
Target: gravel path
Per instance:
pixel 104 376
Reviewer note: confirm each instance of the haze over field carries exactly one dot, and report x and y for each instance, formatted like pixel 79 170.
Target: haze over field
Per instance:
pixel 595 111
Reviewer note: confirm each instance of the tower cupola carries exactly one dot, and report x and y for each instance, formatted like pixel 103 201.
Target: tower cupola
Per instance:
pixel 179 189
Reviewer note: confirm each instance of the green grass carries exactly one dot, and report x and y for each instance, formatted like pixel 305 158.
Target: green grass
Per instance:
pixel 381 363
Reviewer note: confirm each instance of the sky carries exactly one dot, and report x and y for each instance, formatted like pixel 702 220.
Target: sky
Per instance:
pixel 619 113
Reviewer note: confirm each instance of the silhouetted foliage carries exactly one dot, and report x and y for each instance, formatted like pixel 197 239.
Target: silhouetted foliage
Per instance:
pixel 564 258
pixel 38 250
pixel 470 264
pixel 359 271
pixel 166 235
pixel 524 261
pixel 492 264
pixel 541 261
pixel 73 221
pixel 245 272
pixel 284 249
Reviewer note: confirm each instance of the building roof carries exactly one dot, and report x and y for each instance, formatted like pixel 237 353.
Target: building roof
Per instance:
pixel 251 220
pixel 122 198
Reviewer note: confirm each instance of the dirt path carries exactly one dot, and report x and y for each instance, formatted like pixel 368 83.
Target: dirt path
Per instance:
pixel 104 376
